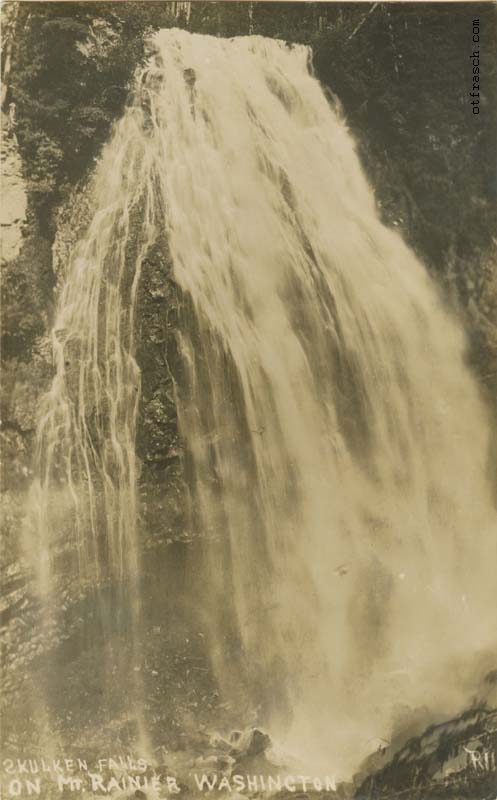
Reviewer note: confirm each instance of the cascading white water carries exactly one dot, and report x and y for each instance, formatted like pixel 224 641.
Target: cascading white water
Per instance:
pixel 336 440
pixel 82 525
pixel 85 437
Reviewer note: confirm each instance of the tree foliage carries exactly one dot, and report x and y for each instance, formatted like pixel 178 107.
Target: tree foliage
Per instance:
pixel 72 71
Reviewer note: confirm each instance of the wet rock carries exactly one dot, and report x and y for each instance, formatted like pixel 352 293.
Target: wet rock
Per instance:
pixel 218 742
pixel 13 209
pixel 452 760
pixel 190 76
pixel 249 743
pixel 222 763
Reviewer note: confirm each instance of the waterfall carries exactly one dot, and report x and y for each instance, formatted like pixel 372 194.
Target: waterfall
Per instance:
pixel 336 442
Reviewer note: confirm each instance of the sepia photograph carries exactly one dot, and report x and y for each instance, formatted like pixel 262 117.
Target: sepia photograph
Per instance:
pixel 248 375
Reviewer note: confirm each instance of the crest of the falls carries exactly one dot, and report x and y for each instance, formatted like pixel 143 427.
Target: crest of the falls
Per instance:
pixel 336 442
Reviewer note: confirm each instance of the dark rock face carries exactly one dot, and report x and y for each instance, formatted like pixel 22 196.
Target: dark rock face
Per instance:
pixel 456 760
pixel 158 443
pixel 26 301
pixel 158 306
